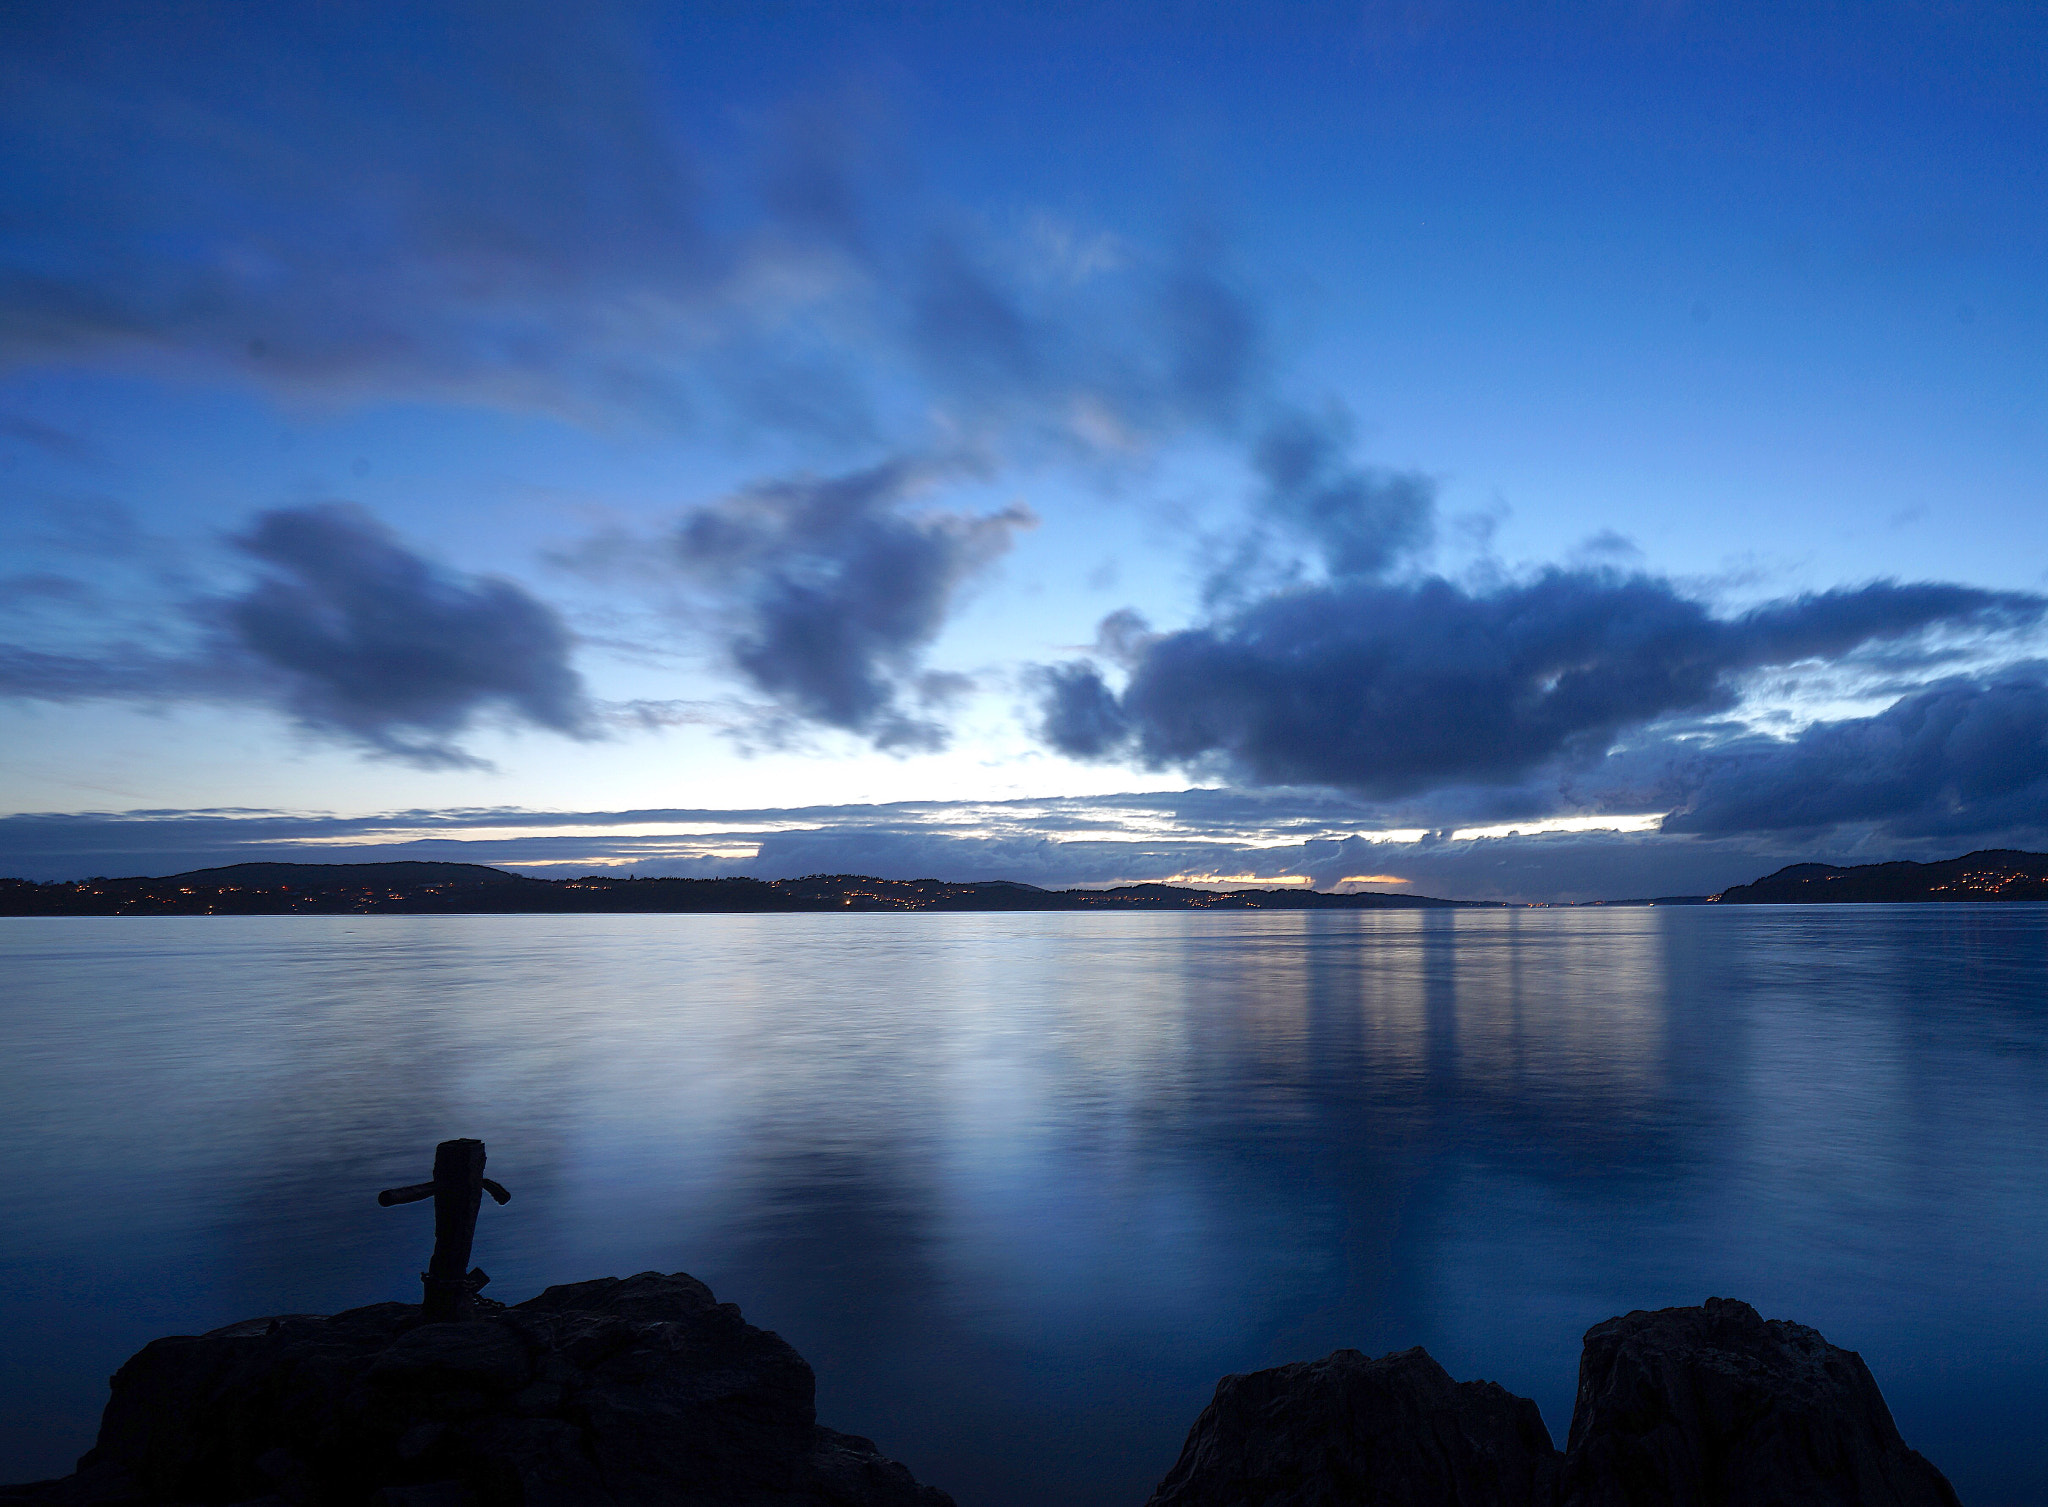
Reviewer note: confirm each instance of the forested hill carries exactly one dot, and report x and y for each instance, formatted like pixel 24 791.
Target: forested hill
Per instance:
pixel 261 889
pixel 1993 874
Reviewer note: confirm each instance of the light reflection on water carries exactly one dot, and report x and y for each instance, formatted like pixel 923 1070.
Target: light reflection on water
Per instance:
pixel 1022 1186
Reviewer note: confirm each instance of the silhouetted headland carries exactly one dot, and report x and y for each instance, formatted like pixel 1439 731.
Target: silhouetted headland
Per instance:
pixel 1992 874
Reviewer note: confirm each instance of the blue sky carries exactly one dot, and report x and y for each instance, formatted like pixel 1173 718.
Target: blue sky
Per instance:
pixel 1068 443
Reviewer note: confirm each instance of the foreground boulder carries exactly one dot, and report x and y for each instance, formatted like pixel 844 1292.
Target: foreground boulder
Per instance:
pixel 1716 1404
pixel 605 1393
pixel 1686 1407
pixel 1348 1430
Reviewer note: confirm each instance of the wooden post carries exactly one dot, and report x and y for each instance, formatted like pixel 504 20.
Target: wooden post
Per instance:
pixel 457 1190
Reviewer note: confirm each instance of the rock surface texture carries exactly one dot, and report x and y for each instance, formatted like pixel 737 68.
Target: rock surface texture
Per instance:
pixel 1686 1407
pixel 1394 1432
pixel 1715 1404
pixel 600 1394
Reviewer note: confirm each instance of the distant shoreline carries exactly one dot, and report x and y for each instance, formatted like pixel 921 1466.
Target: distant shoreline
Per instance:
pixel 426 888
pixel 415 888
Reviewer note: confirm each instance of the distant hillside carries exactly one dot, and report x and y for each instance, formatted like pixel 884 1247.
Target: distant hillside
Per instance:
pixel 1994 874
pixel 267 889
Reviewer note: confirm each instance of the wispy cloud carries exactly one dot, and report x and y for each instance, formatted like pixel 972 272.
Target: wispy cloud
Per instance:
pixel 500 205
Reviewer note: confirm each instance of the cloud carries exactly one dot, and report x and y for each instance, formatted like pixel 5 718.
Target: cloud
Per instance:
pixel 117 671
pixel 1362 519
pixel 374 643
pixel 1390 689
pixel 1318 513
pixel 833 591
pixel 349 632
pixel 1963 756
pixel 1081 716
pixel 502 205
pixel 505 206
pixel 468 200
pixel 1070 841
pixel 60 443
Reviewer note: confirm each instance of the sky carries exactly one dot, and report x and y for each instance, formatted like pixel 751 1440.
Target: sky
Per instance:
pixel 1504 452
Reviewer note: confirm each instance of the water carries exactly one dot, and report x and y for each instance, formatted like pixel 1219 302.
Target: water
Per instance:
pixel 1022 1186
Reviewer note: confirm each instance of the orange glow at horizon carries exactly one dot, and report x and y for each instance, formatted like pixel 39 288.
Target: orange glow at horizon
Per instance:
pixel 1372 879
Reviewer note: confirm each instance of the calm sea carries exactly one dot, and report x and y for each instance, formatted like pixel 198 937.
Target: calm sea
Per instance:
pixel 1022 1186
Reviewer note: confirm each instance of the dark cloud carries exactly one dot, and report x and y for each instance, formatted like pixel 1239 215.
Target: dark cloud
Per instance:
pixel 1361 519
pixel 349 632
pixel 374 643
pixel 1082 716
pixel 835 589
pixel 1393 689
pixel 1964 756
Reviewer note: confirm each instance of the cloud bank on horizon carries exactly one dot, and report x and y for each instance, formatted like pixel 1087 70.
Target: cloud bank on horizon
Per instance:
pixel 490 211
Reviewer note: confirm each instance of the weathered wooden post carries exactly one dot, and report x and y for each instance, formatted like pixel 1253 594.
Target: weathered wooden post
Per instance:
pixel 457 1190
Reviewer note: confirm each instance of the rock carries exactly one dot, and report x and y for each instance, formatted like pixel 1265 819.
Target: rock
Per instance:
pixel 1393 1432
pixel 1715 1405
pixel 600 1394
pixel 1686 1407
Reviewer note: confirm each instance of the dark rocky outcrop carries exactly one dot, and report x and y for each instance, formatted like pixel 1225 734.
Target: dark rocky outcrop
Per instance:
pixel 642 1390
pixel 1393 1432
pixel 1686 1407
pixel 648 1390
pixel 1716 1404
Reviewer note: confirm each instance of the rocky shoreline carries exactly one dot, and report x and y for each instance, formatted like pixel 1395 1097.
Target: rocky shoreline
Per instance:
pixel 641 1390
pixel 647 1390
